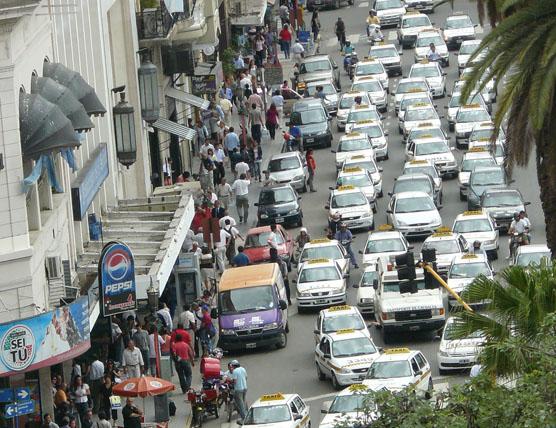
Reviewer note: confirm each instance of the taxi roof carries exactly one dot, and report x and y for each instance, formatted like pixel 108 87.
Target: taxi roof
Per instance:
pixel 273 399
pixel 354 136
pixel 466 215
pixel 448 235
pixel 354 94
pixel 312 263
pixel 409 195
pixel 347 334
pixel 365 123
pixel 379 46
pixel 368 60
pixel 359 158
pixel 351 189
pixel 388 234
pixel 479 154
pixel 457 16
pixel 424 64
pixel 362 107
pixel 422 140
pixel 396 354
pixel 419 106
pixel 462 259
pixel 533 248
pixel 417 163
pixel 320 242
pixel 471 106
pixel 428 30
pixel 354 389
pixel 340 310
pixel 352 171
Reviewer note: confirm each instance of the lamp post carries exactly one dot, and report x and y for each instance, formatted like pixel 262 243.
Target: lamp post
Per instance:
pixel 148 89
pixel 124 130
pixel 152 297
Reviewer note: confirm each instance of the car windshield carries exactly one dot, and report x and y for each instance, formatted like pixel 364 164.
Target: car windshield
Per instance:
pixel 364 69
pixel 352 347
pixel 388 4
pixel 420 114
pixel 353 145
pixel 394 287
pixel 327 88
pixel 348 101
pixel 369 278
pixel 421 132
pixel 368 86
pixel 472 225
pixel 428 71
pixel 450 333
pixel 468 270
pixel 246 299
pixel 412 205
pixel 384 52
pixel 406 87
pixel 431 148
pixel 327 252
pixel 487 178
pixel 425 41
pixel 468 49
pixel 406 102
pixel 360 180
pixel 354 199
pixel 526 259
pixel 417 21
pixel 384 246
pixel 502 199
pixel 389 369
pixel 373 131
pixel 267 415
pixel 367 165
pixel 321 273
pixel 460 22
pixel 455 100
pixel 425 169
pixel 261 239
pixel 309 117
pixel 342 322
pixel 469 164
pixel 474 115
pixel 413 185
pixel 276 196
pixel 314 66
pixel 447 246
pixel 358 116
pixel 284 164
pixel 349 403
pixel 484 134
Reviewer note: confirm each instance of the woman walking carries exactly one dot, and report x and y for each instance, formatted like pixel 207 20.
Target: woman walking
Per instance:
pixel 311 166
pixel 315 25
pixel 272 120
pixel 285 40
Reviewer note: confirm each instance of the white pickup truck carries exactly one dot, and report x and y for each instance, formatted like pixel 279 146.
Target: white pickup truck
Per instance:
pixel 407 312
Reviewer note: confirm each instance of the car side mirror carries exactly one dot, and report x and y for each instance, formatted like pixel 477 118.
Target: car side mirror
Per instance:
pixel 330 188
pixel 375 284
pixel 360 251
pixel 326 355
pixel 333 151
pixel 393 92
pixel 410 152
pixel 446 107
pixel 389 211
pixel 390 194
pixel 327 207
pixel 283 305
pixel 526 203
pixel 386 133
pixel 400 53
pixel 294 281
pixel 297 417
pixel 239 422
pixel 214 313
pixel 256 204
pixel 410 247
pixel 334 66
pixel 329 117
pixel 316 331
pixel 355 285
pixel 380 169
pixel 511 181
pixel 444 73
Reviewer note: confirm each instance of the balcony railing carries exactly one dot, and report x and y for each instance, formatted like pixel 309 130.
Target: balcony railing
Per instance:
pixel 156 23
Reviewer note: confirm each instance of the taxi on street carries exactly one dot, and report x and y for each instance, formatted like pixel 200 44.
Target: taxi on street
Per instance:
pixel 361 179
pixel 374 88
pixel 384 244
pixel 324 248
pixel 353 207
pixel 424 167
pixel 368 163
pixel 362 113
pixel 422 46
pixel 467 118
pixel 350 405
pixel 320 282
pixel 448 245
pixel 436 151
pixel 474 157
pixel 463 271
pixel 457 353
pixel 478 226
pixel 346 101
pixel 370 68
pixel 414 214
pixel 433 74
pixel 411 24
pixel 417 114
pixel 278 410
pixel 336 318
pixel 366 288
pixel 354 143
pixel 389 56
pixel 377 135
pixel 409 86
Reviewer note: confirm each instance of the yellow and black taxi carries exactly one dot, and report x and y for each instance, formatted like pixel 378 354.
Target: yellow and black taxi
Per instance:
pixel 377 134
pixel 320 282
pixel 350 406
pixel 336 318
pixel 344 357
pixel 412 23
pixel 436 151
pixel 353 143
pixel 360 113
pixel 475 157
pixel 368 163
pixel 353 207
pixel 479 226
pixel 464 269
pixel 448 245
pixel 401 369
pixel 324 248
pixel 361 179
pixel 467 117
pixel 279 411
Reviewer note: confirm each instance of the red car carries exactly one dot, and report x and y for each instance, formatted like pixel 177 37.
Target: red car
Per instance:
pixel 257 249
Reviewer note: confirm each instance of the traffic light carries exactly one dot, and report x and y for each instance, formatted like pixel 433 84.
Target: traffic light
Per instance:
pixel 429 255
pixel 431 282
pixel 405 265
pixel 409 287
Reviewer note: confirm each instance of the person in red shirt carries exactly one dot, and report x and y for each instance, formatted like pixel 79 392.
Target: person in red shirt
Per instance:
pixel 181 331
pixel 285 40
pixel 197 221
pixel 311 166
pixel 184 361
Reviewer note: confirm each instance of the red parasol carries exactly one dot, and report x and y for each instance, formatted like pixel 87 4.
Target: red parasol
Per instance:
pixel 144 386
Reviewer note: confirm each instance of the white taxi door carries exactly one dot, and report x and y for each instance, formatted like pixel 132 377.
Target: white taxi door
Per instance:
pixel 317 329
pixel 422 376
pixel 323 362
pixel 300 413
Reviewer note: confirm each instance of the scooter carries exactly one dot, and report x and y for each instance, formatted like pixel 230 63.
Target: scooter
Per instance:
pixel 516 240
pixel 350 59
pixel 374 35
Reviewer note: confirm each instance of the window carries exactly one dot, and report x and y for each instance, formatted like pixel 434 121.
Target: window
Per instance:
pixel 421 361
pixel 414 365
pixel 299 404
pixel 294 408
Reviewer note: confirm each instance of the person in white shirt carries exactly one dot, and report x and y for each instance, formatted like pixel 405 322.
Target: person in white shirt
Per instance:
pixel 224 190
pixel 132 360
pixel 205 148
pixel 245 80
pixel 96 375
pixel 220 250
pixel 231 246
pixel 475 370
pixel 298 51
pixel 271 241
pixel 278 100
pixel 227 216
pixel 241 190
pixel 226 105
pixel 153 350
pixel 195 249
pixel 242 168
pixel 267 179
pixel 164 313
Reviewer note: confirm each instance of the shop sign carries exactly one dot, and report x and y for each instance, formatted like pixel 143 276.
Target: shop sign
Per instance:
pixel 116 270
pixel 46 339
pixel 19 409
pixel 201 85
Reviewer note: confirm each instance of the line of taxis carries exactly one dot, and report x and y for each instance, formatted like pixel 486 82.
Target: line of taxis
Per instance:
pixel 344 352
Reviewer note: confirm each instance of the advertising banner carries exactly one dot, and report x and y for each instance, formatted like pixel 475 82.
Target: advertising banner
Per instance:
pixel 116 271
pixel 46 339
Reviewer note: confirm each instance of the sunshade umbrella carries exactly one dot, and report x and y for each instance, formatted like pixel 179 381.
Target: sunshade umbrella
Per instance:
pixel 144 386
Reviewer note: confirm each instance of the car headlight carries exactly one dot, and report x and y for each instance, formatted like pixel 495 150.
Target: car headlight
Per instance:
pixel 298 177
pixel 227 332
pixel 437 312
pixel 303 294
pixel 344 370
pixel 490 242
pixel 293 212
pixel 271 326
pixel 443 353
pixel 264 215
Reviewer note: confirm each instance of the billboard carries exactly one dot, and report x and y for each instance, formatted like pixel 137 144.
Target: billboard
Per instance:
pixel 46 339
pixel 116 272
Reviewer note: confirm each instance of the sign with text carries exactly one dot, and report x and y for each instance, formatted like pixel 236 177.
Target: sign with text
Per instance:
pixel 19 409
pixel 44 340
pixel 201 85
pixel 116 270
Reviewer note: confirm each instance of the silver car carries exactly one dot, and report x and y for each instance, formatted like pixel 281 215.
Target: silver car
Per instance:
pixel 289 168
pixel 318 68
pixel 330 92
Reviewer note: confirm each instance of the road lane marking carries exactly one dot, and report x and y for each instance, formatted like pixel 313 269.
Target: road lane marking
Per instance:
pixel 363 4
pixel 392 35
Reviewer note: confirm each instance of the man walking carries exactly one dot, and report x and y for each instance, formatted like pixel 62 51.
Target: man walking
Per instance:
pixel 141 340
pixel 241 190
pixel 132 360
pixel 184 361
pixel 256 123
pixel 96 374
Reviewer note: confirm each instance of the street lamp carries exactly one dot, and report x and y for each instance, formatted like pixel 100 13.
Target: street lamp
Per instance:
pixel 148 90
pixel 124 130
pixel 152 296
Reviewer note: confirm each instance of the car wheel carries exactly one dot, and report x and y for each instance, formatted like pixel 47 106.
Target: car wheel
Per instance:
pixel 441 197
pixel 320 374
pixel 430 390
pixel 462 197
pixel 335 384
pixel 283 341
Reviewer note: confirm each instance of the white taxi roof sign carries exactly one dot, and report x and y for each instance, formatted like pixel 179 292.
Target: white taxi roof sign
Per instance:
pixel 397 351
pixel 385 227
pixel 353 169
pixel 339 308
pixel 468 256
pixel 346 187
pixel 422 125
pixel 345 331
pixel 319 241
pixel 273 397
pixel 317 261
pixel 474 212
pixel 357 387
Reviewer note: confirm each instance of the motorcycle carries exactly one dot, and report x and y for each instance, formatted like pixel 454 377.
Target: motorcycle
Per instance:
pixel 516 240
pixel 203 404
pixel 226 398
pixel 374 35
pixel 350 60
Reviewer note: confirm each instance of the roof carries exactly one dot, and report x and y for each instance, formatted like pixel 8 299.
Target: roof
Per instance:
pixel 375 236
pixel 312 263
pixel 319 82
pixel 469 258
pixel 353 136
pixel 352 171
pixel 388 45
pixel 418 176
pixel 477 154
pixel 273 399
pixel 472 214
pixel 347 334
pixel 442 236
pixel 285 155
pixel 247 276
pixel 533 248
pixel 260 229
pixel 396 354
pixel 409 195
pixel 322 242
pixel 339 310
pixel 342 189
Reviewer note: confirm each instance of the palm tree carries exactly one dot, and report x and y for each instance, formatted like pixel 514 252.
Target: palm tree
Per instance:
pixel 519 301
pixel 522 49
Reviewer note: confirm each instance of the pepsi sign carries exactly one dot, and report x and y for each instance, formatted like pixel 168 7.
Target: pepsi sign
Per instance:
pixel 117 279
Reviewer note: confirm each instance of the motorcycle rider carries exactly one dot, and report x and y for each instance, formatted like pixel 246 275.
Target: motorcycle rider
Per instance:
pixel 340 30
pixel 525 219
pixel 372 19
pixel 344 237
pixel 432 55
pixel 476 249
pixel 520 227
pixel 302 239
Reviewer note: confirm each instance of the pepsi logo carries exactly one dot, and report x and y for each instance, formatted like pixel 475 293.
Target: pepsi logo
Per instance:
pixel 117 264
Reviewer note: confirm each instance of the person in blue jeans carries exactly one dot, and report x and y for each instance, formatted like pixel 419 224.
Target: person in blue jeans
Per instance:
pixel 239 376
pixel 295 132
pixel 344 237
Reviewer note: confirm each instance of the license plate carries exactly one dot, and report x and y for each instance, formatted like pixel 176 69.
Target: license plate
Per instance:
pixel 280 220
pixel 250 345
pixel 320 301
pixel 413 327
pixel 310 140
pixel 463 361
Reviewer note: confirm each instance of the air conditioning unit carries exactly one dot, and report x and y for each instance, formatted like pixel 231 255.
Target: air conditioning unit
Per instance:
pixel 54 267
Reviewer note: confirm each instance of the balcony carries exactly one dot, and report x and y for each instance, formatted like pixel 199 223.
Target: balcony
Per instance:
pixel 155 24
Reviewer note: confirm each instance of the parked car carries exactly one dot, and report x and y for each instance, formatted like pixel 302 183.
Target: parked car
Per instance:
pixel 258 250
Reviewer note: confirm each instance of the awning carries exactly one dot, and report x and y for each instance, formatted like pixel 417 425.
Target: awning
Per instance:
pixel 186 98
pixel 250 13
pixel 175 128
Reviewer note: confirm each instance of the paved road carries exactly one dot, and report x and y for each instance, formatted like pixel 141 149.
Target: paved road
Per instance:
pixel 292 369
